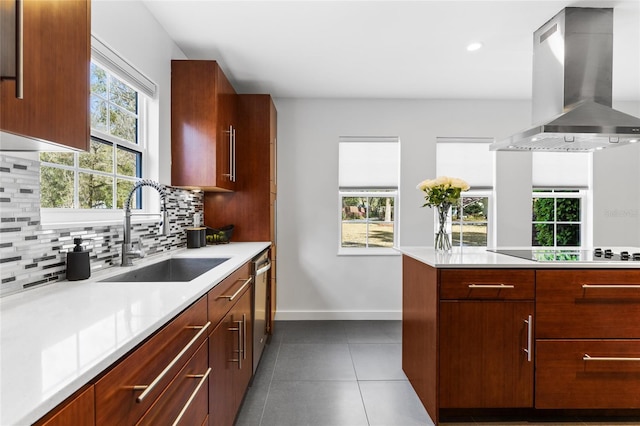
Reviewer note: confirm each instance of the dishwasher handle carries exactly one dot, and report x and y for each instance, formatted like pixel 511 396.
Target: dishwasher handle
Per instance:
pixel 266 266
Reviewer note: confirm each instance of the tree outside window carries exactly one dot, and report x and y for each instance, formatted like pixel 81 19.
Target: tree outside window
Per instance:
pixel 556 218
pixel 470 220
pixel 367 220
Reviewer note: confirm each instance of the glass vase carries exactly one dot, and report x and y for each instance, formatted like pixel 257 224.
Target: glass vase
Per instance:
pixel 442 241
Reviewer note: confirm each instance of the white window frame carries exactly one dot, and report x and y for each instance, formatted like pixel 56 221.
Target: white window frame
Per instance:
pixel 54 217
pixel 475 194
pixel 581 194
pixel 369 251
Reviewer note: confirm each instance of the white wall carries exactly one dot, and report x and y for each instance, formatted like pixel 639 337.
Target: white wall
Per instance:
pixel 129 29
pixel 313 282
pixel 616 191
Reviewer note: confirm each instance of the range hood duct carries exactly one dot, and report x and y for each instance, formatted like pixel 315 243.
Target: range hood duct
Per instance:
pixel 572 87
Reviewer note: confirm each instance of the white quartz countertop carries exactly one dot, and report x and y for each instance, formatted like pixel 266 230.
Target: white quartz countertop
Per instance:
pixel 480 257
pixel 57 338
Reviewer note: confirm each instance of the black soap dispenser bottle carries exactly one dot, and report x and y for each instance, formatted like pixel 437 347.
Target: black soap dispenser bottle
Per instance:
pixel 78 267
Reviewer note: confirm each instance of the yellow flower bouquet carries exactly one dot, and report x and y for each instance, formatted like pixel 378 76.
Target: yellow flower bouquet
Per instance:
pixel 442 193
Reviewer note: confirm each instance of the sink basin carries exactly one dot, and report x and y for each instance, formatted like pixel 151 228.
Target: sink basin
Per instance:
pixel 175 269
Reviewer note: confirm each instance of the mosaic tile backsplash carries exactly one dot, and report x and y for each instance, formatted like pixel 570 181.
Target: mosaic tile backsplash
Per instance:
pixel 31 256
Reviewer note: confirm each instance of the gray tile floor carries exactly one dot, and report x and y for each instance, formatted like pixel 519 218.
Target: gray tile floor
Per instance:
pixel 343 373
pixel 332 373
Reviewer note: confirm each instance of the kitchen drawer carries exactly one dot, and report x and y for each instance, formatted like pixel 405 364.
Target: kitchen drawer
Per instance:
pixel 565 379
pixel 487 284
pixel 598 304
pixel 156 361
pixel 224 295
pixel 185 402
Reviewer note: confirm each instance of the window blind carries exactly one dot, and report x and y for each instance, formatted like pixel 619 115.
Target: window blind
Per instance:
pixel 108 58
pixel 466 158
pixel 369 162
pixel 561 169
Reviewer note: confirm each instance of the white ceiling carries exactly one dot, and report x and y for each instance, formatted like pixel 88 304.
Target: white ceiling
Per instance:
pixel 384 49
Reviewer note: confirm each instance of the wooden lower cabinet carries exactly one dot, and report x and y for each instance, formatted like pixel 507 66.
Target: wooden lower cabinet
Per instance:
pixel 79 410
pixel 484 359
pixel 128 390
pixel 527 340
pixel 588 374
pixel 185 401
pixel 230 357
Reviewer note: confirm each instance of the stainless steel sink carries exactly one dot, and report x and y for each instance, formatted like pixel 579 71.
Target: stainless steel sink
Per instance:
pixel 176 269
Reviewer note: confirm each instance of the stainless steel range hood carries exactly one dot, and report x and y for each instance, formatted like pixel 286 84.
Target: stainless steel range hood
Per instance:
pixel 572 87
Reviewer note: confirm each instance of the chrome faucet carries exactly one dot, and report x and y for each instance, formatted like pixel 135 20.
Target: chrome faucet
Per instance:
pixel 129 251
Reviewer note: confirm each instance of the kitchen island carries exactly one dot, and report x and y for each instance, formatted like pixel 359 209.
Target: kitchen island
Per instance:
pixel 57 339
pixel 487 333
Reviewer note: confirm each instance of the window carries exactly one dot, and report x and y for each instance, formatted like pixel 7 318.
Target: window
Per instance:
pixel 470 220
pixel 469 159
pixel 367 219
pixel 369 170
pixel 557 218
pixel 102 177
pixel 558 208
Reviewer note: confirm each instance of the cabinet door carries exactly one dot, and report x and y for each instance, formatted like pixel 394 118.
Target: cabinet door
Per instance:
pixel 484 361
pixel 203 114
pixel 230 353
pixel 226 148
pixel 79 411
pixel 55 103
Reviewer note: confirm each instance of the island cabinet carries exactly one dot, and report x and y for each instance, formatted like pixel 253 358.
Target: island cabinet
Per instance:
pixel 203 127
pixel 588 339
pixel 78 409
pixel 158 378
pixel 230 346
pixel 56 46
pixel 468 336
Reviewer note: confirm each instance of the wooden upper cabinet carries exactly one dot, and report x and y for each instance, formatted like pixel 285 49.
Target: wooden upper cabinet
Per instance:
pixel 251 208
pixel 57 55
pixel 203 127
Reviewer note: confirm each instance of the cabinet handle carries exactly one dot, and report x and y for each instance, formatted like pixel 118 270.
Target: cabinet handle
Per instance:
pixel 148 388
pixel 244 336
pixel 239 329
pixel 233 144
pixel 529 322
pixel 610 285
pixel 234 295
pixel 586 357
pixel 203 378
pixel 473 285
pixel 19 49
pixel 12 51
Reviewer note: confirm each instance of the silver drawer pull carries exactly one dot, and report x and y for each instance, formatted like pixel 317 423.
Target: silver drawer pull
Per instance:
pixel 586 357
pixel 610 285
pixel 202 378
pixel 491 286
pixel 234 295
pixel 148 388
pixel 529 322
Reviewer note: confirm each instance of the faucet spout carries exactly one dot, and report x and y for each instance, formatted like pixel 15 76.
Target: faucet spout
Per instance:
pixel 128 250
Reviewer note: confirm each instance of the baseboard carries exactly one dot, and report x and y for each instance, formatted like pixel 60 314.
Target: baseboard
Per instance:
pixel 337 315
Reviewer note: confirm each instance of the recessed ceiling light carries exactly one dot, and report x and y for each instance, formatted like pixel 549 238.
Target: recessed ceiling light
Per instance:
pixel 472 47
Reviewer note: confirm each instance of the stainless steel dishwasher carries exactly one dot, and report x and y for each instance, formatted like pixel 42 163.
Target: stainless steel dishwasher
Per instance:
pixel 260 268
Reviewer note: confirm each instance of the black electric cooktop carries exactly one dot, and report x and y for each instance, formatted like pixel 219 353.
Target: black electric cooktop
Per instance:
pixel 570 255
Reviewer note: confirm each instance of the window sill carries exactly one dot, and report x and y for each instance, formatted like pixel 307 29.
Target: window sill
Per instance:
pixel 368 252
pixel 72 218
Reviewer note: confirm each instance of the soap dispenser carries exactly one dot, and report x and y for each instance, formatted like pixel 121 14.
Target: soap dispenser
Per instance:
pixel 78 267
